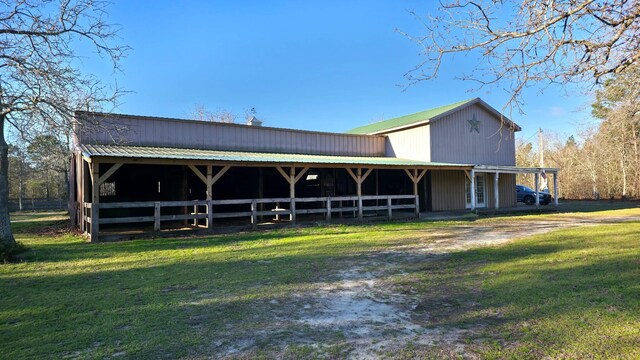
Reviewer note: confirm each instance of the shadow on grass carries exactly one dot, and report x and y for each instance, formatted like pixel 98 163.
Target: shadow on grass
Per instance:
pixel 574 294
pixel 156 307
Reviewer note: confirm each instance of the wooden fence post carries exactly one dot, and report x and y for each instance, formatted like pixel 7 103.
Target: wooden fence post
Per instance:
pixel 389 209
pixel 156 216
pixel 254 217
pixel 195 212
pixel 329 209
pixel 210 215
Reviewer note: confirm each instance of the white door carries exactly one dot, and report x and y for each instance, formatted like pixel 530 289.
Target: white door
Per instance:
pixel 481 193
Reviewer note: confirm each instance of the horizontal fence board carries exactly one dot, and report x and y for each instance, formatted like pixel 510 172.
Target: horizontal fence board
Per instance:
pixel 382 207
pixel 311 211
pixel 183 203
pixel 344 209
pixel 183 217
pixel 231 214
pixel 125 205
pixel 274 213
pixel 344 198
pixel 125 220
pixel 411 206
pixel 396 204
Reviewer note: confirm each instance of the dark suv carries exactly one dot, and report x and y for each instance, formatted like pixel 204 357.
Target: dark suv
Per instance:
pixel 528 195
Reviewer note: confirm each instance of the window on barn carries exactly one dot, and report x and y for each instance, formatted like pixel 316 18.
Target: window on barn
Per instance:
pixel 108 189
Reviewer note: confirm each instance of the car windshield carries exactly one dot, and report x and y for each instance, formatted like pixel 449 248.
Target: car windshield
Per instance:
pixel 526 188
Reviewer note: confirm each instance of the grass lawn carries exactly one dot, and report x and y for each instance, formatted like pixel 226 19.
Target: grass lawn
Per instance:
pixel 570 293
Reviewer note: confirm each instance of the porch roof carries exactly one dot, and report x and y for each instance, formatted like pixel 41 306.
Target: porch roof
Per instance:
pixel 108 153
pixel 514 169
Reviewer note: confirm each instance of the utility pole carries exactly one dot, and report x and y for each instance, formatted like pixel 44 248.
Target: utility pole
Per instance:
pixel 540 148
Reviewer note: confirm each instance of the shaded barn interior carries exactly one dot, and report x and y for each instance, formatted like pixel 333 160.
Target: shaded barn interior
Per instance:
pixel 133 183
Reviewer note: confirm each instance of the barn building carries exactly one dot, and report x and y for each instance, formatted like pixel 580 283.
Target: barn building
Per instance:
pixel 140 174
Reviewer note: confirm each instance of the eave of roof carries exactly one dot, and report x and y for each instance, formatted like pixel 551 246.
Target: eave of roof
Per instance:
pixel 142 152
pixel 425 117
pixel 114 117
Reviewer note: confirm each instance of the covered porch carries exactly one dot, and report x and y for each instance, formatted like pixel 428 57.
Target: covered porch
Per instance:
pixel 495 173
pixel 120 187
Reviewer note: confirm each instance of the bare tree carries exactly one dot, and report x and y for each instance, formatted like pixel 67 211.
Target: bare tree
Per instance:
pixel 220 115
pixel 532 42
pixel 41 82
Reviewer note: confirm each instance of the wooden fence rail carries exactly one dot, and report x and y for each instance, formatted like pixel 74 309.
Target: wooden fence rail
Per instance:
pixel 330 206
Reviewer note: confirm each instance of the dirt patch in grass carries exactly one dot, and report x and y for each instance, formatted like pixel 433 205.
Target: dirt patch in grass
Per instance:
pixel 369 311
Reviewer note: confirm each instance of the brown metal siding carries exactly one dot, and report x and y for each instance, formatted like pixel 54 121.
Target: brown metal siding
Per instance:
pixel 411 144
pixel 447 190
pixel 507 188
pixel 453 141
pixel 143 131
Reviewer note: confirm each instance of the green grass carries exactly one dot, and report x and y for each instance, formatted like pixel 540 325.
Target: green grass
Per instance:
pixel 566 294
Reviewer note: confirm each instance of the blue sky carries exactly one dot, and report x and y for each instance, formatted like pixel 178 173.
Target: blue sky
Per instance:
pixel 317 65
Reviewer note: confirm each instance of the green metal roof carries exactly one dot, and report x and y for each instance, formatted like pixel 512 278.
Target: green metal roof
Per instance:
pixel 144 152
pixel 406 120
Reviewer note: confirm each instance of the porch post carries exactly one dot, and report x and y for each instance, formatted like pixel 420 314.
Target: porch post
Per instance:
pixel 472 185
pixel 292 193
pixel 555 190
pixel 537 183
pixel 209 184
pixel 359 193
pixel 95 201
pixel 496 191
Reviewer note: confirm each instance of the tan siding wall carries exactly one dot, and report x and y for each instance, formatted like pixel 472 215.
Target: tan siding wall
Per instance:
pixel 142 131
pixel 447 190
pixel 411 144
pixel 453 142
pixel 507 188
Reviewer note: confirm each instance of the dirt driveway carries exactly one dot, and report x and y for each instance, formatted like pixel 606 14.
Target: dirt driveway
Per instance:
pixel 356 309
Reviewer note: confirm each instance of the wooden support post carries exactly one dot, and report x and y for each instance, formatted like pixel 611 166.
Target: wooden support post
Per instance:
pixel 209 182
pixel 328 209
pixel 537 185
pixel 254 217
pixel 156 216
pixel 359 178
pixel 292 194
pixel 210 215
pixel 260 191
pixel 415 182
pixel 555 190
pixel 496 191
pixel 389 209
pixel 95 201
pixel 209 179
pixel 292 179
pixel 359 193
pixel 415 178
pixel 472 184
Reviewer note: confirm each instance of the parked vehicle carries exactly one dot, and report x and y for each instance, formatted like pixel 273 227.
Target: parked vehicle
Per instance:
pixel 528 195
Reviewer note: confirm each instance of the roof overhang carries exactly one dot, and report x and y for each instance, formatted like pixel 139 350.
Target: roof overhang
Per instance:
pixel 180 156
pixel 514 169
pixel 503 119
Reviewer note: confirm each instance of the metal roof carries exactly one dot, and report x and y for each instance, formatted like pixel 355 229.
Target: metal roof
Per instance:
pixel 402 122
pixel 144 152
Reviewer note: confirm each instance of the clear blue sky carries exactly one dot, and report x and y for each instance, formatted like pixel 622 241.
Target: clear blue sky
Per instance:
pixel 317 65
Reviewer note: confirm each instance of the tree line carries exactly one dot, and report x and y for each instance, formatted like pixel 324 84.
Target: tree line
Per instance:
pixel 604 161
pixel 38 170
